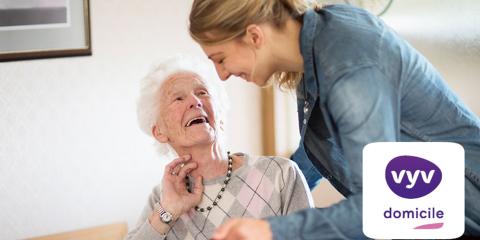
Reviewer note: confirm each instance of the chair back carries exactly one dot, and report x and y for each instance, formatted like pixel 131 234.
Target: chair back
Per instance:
pixel 115 231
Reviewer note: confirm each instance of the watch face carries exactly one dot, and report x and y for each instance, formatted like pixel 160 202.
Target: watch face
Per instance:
pixel 166 217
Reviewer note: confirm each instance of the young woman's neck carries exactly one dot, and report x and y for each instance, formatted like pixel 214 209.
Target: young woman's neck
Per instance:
pixel 211 159
pixel 285 45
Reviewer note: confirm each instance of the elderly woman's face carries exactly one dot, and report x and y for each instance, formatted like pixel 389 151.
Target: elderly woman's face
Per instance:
pixel 186 112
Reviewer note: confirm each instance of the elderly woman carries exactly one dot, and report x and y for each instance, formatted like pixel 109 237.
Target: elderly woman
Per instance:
pixel 182 107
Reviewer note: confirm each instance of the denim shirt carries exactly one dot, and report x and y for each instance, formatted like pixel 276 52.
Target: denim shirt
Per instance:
pixel 364 84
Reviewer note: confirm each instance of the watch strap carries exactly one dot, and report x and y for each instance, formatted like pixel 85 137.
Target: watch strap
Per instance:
pixel 161 211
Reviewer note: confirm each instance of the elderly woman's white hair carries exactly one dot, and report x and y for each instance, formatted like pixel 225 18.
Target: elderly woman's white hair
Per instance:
pixel 148 103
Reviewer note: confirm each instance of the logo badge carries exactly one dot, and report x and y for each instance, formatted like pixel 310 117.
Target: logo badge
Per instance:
pixel 412 177
pixel 413 190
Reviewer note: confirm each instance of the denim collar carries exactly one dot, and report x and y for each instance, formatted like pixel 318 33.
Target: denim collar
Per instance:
pixel 307 35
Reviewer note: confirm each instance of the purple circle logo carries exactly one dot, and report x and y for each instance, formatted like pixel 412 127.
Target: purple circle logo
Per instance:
pixel 412 177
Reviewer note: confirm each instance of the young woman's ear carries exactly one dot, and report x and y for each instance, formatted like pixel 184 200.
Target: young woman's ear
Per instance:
pixel 254 35
pixel 158 135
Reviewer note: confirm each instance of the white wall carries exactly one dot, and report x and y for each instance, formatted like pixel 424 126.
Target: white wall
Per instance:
pixel 71 154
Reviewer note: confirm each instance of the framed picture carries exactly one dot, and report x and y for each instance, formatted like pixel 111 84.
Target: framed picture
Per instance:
pixel 31 29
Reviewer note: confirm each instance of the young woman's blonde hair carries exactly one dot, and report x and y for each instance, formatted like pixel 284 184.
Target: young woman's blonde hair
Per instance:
pixel 219 21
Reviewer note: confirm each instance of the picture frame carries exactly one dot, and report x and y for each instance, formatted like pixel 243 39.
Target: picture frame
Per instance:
pixel 33 29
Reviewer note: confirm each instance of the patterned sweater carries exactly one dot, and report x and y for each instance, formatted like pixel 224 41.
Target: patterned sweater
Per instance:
pixel 261 187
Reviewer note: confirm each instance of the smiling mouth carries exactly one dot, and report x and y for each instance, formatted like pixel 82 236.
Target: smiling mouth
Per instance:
pixel 197 120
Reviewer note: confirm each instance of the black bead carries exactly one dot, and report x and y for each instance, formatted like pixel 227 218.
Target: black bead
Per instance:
pixel 219 196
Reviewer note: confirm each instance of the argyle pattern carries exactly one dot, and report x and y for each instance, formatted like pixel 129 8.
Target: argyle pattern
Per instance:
pixel 262 187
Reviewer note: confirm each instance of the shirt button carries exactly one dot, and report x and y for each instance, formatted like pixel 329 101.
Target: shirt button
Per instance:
pixel 305 109
pixel 304 121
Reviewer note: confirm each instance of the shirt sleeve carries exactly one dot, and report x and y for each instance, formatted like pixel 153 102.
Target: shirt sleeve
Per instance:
pixel 364 107
pixel 143 229
pixel 296 193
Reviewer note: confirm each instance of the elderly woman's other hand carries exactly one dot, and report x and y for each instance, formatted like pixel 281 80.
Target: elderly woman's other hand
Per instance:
pixel 175 196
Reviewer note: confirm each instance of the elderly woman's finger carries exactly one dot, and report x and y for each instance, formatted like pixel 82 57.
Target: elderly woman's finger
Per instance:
pixel 186 169
pixel 173 166
pixel 168 169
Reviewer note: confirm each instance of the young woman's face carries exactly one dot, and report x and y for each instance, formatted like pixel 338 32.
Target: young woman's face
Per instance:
pixel 238 58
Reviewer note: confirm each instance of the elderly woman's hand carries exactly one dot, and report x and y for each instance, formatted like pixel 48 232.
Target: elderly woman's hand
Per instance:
pixel 175 197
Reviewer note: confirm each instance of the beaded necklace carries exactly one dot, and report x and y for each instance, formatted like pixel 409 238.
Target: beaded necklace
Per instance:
pixel 220 193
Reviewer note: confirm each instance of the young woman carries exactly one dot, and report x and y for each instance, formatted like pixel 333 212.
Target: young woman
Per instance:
pixel 357 82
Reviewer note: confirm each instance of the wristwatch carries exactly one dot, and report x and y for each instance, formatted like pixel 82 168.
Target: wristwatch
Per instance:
pixel 165 216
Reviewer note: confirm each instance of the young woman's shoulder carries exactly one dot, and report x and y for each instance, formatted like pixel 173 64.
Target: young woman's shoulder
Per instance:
pixel 347 38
